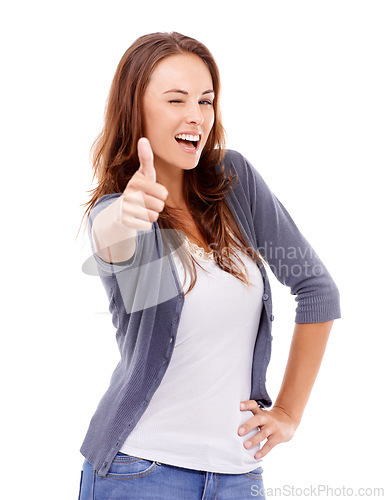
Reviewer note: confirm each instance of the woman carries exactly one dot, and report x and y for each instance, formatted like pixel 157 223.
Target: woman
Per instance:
pixel 186 410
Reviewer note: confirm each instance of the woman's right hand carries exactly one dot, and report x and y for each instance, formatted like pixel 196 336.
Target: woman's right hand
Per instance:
pixel 143 198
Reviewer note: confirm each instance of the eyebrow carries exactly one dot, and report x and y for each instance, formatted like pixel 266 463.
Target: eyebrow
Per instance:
pixel 180 91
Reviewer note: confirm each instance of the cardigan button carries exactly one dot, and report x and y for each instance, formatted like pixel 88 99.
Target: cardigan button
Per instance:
pixel 265 296
pixel 272 317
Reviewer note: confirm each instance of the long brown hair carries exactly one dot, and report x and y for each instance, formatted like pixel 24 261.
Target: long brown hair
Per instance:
pixel 115 158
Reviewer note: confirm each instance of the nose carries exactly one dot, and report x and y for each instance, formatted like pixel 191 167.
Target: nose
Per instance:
pixel 194 114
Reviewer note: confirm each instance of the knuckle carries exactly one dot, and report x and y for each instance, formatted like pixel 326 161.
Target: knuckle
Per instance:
pixel 279 433
pixel 256 420
pixel 253 404
pixel 140 198
pixel 163 193
pixel 136 182
pixel 126 195
pixel 126 221
pixel 154 216
pixel 132 183
pixel 268 447
pixel 272 443
pixel 265 433
pixel 127 200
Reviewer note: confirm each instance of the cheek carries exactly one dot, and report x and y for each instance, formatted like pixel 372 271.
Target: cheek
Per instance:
pixel 210 119
pixel 150 118
pixel 158 135
pixel 157 121
pixel 152 129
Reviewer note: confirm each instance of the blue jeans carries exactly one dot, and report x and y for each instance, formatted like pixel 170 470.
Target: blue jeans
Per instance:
pixel 135 478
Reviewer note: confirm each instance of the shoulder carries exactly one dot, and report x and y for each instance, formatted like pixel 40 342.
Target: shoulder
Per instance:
pixel 250 182
pixel 234 157
pixel 236 163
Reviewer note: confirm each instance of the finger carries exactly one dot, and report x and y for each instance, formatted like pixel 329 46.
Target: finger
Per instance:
pixel 146 158
pixel 148 190
pixel 142 199
pixel 145 216
pixel 137 223
pixel 260 436
pixel 250 404
pixel 258 419
pixel 268 446
pixel 135 210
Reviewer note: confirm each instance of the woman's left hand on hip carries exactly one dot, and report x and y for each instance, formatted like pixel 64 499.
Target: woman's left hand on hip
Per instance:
pixel 274 425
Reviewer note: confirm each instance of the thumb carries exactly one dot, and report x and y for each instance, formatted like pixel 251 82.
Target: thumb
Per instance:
pixel 146 159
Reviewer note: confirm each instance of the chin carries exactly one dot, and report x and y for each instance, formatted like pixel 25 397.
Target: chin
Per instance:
pixel 182 161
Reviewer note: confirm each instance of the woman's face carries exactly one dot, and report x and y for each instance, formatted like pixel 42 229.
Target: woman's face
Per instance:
pixel 178 100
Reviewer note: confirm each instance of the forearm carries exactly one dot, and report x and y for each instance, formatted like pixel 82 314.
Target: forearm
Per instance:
pixel 113 241
pixel 306 352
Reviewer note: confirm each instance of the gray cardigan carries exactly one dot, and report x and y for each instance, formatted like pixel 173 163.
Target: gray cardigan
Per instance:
pixel 145 301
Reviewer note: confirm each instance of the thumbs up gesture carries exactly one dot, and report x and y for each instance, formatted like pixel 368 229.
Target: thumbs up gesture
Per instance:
pixel 146 158
pixel 143 198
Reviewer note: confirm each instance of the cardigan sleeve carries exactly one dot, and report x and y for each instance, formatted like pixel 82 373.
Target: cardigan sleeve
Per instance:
pixel 290 256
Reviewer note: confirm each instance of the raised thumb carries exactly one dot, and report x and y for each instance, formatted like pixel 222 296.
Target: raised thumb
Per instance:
pixel 146 159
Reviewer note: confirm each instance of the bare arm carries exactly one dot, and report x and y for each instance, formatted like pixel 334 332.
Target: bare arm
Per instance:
pixel 306 352
pixel 114 229
pixel 279 424
pixel 113 241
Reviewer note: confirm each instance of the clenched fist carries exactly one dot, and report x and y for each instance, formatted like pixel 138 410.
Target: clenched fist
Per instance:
pixel 143 198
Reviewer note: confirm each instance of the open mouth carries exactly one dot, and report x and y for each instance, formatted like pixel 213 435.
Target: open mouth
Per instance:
pixel 188 144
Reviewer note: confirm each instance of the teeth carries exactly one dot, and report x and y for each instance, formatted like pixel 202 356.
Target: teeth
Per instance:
pixel 187 137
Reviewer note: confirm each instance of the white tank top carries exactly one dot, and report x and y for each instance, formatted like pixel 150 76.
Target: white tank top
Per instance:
pixel 192 420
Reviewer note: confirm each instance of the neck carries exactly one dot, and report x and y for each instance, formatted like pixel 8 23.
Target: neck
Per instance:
pixel 173 180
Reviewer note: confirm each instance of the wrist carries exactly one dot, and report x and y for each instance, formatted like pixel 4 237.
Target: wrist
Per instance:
pixel 295 417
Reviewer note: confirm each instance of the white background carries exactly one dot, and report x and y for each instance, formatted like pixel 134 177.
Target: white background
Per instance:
pixel 303 100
